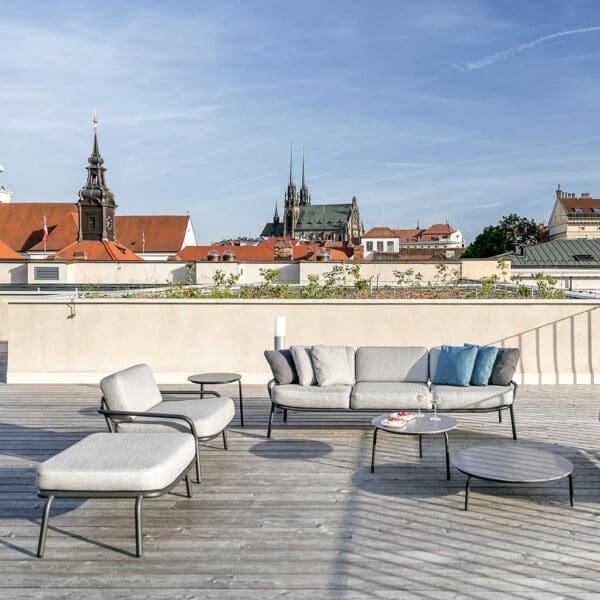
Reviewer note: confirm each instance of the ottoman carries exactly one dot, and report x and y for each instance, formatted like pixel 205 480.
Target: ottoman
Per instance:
pixel 117 465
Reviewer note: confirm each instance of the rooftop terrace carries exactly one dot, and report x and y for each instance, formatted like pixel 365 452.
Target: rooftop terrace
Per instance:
pixel 302 516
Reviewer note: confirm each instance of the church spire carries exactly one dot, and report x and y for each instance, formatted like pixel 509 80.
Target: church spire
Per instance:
pixel 290 207
pixel 276 215
pixel 291 164
pixel 96 200
pixel 304 195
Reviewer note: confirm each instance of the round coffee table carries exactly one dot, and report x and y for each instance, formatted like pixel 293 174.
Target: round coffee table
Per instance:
pixel 418 426
pixel 219 379
pixel 511 464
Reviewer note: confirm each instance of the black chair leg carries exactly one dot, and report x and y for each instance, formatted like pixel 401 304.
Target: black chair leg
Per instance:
pixel 499 416
pixel 512 422
pixel 188 485
pixel 224 439
pixel 44 527
pixel 270 420
pixel 198 476
pixel 139 548
pixel 285 415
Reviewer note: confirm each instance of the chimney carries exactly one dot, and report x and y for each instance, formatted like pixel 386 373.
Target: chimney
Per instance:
pixel 283 249
pixel 359 252
pixel 558 192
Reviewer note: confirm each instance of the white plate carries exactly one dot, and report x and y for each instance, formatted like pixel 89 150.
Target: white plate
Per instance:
pixel 393 424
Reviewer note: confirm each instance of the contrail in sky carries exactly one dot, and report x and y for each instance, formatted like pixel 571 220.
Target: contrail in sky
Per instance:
pixel 499 56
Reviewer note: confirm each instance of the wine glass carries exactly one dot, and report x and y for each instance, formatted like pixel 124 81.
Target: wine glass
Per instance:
pixel 419 398
pixel 436 400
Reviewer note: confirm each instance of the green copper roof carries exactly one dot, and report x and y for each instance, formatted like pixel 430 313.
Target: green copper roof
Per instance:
pixel 323 217
pixel 272 230
pixel 559 253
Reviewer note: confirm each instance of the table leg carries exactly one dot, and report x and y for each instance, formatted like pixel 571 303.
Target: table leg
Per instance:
pixel 201 391
pixel 420 446
pixel 571 489
pixel 447 456
pixel 241 402
pixel 467 492
pixel 373 452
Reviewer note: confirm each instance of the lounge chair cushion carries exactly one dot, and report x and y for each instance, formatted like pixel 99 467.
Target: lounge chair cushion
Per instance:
pixel 391 363
pixel 455 365
pixel 489 396
pixel 505 366
pixel 333 365
pixel 118 462
pixel 210 416
pixel 303 396
pixel 389 395
pixel 132 389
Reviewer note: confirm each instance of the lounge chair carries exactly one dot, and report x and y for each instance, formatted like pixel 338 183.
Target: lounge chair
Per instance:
pixel 133 403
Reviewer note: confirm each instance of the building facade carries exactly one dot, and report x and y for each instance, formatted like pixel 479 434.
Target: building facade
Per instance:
pixel 574 216
pixel 440 240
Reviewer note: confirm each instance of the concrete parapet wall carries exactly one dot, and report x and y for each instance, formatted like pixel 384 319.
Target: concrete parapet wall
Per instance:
pixel 59 341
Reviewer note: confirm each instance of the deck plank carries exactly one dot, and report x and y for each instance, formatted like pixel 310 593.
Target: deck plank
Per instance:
pixel 302 516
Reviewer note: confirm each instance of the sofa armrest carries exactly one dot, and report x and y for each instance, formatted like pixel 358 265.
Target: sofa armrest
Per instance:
pixel 270 385
pixel 515 388
pixel 187 393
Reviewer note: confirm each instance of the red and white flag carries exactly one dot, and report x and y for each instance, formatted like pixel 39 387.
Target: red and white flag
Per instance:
pixel 45 230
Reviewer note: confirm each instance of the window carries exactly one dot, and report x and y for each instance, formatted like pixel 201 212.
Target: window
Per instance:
pixel 583 257
pixel 45 273
pixel 578 211
pixel 91 222
pixel 379 246
pixel 390 246
pixel 369 246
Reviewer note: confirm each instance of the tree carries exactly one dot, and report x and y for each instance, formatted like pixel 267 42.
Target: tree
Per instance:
pixel 508 235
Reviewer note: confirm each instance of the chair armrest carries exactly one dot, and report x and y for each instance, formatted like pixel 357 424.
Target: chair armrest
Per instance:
pixel 151 415
pixel 515 388
pixel 270 385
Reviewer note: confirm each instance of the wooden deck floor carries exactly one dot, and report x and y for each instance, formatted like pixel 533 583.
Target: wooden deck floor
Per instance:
pixel 301 516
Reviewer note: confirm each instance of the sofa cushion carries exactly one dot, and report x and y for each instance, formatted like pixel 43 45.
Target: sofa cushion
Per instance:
pixel 282 366
pixel 505 366
pixel 489 396
pixel 333 365
pixel 391 363
pixel 304 396
pixel 455 365
pixel 132 389
pixel 302 356
pixel 389 395
pixel 118 462
pixel 484 363
pixel 210 416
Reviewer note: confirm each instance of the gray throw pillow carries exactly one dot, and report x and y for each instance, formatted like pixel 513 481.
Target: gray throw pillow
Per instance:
pixel 333 365
pixel 282 366
pixel 505 366
pixel 304 365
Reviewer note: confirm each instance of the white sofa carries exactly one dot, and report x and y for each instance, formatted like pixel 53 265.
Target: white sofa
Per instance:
pixel 389 378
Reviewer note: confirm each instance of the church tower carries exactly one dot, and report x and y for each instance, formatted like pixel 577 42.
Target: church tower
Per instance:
pixel 291 209
pixel 304 195
pixel 96 202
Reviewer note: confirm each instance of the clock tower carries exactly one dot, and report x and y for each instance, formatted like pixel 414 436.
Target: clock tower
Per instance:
pixel 96 201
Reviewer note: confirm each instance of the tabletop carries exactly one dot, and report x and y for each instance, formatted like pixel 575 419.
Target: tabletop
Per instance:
pixel 511 463
pixel 418 426
pixel 214 378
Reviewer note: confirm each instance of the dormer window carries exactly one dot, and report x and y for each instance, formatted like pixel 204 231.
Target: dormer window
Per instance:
pixel 91 222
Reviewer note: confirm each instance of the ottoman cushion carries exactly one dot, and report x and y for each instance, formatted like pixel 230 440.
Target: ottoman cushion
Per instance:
pixel 210 416
pixel 120 462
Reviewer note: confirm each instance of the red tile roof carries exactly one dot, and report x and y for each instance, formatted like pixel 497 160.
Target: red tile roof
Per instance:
pixel 162 233
pixel 440 229
pixel 96 251
pixel 408 235
pixel 21 225
pixel 380 232
pixel 586 204
pixel 242 253
pixel 7 253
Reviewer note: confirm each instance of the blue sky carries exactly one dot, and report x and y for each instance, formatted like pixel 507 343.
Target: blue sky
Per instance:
pixel 425 110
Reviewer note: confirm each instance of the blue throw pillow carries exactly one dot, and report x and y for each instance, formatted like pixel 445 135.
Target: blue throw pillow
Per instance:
pixel 455 365
pixel 484 364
